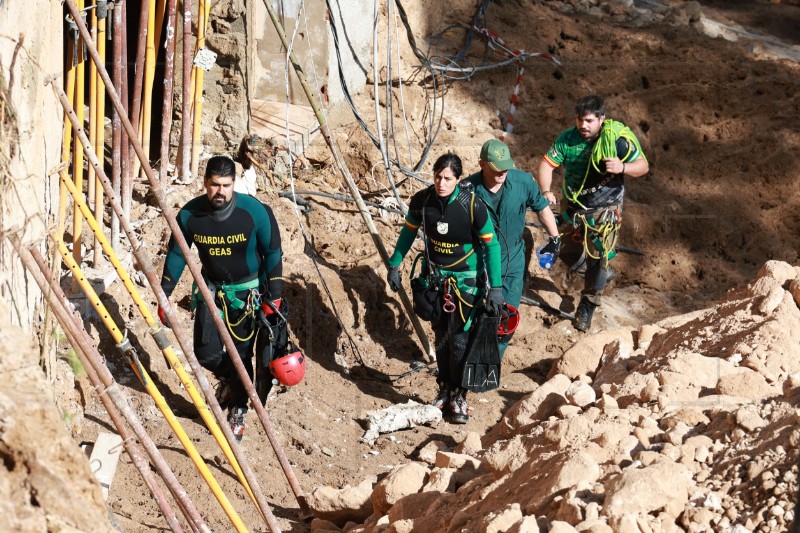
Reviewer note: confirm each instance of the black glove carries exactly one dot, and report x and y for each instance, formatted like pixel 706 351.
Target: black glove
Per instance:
pixel 553 246
pixel 495 301
pixel 393 277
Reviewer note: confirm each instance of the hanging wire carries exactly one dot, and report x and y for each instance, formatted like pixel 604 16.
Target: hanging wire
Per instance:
pixel 376 137
pixel 400 85
pixel 312 252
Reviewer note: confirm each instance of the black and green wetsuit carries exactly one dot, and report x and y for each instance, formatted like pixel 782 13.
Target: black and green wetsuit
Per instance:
pixel 462 248
pixel 239 246
pixel 507 208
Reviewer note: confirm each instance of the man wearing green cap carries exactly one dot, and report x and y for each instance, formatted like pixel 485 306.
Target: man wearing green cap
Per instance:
pixel 508 193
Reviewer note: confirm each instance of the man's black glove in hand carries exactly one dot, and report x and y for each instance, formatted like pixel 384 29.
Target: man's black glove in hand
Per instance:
pixel 494 301
pixel 393 277
pixel 553 246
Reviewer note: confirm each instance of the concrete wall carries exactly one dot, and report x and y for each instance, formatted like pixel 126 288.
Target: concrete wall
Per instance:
pixel 30 49
pixel 313 47
pixel 353 20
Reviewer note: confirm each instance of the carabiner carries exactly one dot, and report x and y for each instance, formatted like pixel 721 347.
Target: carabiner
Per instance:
pixel 448 306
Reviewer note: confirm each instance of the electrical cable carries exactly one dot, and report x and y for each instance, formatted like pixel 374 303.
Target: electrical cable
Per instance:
pixel 372 135
pixel 402 96
pixel 312 252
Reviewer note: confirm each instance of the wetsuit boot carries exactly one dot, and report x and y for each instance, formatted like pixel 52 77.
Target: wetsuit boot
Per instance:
pixel 583 316
pixel 442 400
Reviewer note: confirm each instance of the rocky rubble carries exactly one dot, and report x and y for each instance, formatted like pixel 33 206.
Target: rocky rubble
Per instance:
pixel 690 424
pixel 46 483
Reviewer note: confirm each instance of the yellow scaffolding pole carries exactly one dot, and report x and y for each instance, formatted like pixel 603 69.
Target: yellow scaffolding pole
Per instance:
pixel 124 345
pixel 100 140
pixel 66 144
pixel 144 263
pixel 202 24
pixel 92 111
pixel 77 154
pixel 157 333
pixel 154 24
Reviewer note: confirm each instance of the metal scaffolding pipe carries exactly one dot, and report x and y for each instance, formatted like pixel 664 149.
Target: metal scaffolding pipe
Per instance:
pixel 146 15
pixel 81 348
pixel 127 349
pixel 95 360
pixel 208 297
pixel 159 338
pixel 79 105
pixel 145 265
pixel 92 111
pixel 197 86
pixel 116 123
pixel 169 72
pixel 154 26
pixel 99 147
pixel 184 155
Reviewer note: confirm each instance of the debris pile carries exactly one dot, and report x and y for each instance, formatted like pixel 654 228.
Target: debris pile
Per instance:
pixel 690 424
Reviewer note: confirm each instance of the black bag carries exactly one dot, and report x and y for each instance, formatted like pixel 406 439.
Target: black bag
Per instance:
pixel 272 342
pixel 482 360
pixel 427 300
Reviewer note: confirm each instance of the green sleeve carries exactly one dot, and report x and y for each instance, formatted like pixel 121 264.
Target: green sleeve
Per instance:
pixel 175 262
pixel 404 242
pixel 491 246
pixel 269 246
pixel 536 199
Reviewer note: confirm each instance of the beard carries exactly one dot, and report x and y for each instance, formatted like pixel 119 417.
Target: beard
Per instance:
pixel 219 202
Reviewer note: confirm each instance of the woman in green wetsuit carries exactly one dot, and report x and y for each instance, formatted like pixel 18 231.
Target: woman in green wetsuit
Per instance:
pixel 461 249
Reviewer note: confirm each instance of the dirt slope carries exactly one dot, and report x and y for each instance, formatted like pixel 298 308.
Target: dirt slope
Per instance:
pixel 718 126
pixel 688 424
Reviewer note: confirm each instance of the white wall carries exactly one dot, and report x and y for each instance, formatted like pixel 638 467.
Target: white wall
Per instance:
pixel 313 47
pixel 31 41
pixel 355 41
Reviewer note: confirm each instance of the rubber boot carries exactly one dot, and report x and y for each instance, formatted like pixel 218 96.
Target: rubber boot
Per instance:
pixel 583 316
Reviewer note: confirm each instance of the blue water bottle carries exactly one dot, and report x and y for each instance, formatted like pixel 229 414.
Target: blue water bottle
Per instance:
pixel 546 259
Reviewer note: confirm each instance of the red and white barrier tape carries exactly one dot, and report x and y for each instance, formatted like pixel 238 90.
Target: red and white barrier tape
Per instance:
pixel 498 45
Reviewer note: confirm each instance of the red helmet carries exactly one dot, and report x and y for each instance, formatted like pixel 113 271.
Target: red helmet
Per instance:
pixel 289 369
pixel 509 320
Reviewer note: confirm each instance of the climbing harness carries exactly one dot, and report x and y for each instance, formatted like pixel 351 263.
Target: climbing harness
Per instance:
pixel 600 228
pixel 449 306
pixel 440 280
pixel 227 295
pixel 253 303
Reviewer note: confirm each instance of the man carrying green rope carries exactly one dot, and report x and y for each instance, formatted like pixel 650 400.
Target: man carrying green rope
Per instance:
pixel 597 153
pixel 239 245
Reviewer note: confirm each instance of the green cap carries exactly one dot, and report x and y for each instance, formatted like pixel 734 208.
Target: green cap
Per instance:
pixel 497 154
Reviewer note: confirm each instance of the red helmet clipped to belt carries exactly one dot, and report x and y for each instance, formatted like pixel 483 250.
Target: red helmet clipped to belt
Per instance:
pixel 289 369
pixel 509 320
